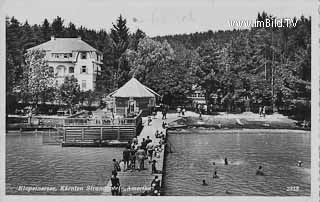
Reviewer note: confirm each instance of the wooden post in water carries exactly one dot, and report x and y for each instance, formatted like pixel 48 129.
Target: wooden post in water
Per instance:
pixel 82 134
pixel 49 132
pixel 64 135
pixel 101 133
pixel 20 131
pixel 118 134
pixel 36 130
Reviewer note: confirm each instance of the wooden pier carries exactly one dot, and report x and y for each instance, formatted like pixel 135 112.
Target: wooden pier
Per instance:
pixel 100 132
pixel 137 182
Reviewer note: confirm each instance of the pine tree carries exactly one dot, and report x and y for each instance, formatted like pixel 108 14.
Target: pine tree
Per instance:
pixel 120 42
pixel 46 30
pixel 71 31
pixel 57 27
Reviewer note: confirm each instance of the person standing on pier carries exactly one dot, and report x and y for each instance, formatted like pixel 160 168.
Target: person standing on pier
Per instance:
pixel 126 158
pixel 156 134
pixel 140 154
pixel 164 125
pixel 150 149
pixel 115 184
pixel 154 168
pixel 133 158
pixel 143 144
pixel 164 113
pixel 148 140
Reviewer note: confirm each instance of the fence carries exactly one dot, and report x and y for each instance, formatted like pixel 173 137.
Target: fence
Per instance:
pixel 16 121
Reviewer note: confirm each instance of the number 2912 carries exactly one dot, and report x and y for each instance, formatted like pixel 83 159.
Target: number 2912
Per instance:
pixel 293 188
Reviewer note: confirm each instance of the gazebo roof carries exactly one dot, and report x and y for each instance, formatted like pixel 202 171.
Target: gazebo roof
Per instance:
pixel 133 88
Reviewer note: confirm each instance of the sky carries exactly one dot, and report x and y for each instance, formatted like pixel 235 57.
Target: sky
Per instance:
pixel 154 17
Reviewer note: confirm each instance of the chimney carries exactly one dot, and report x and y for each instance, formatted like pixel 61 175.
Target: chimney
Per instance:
pixel 52 38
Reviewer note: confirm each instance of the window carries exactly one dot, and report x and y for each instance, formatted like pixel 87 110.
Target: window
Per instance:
pixel 56 55
pixel 65 55
pixel 51 71
pixel 83 56
pixel 71 70
pixel 84 69
pixel 84 84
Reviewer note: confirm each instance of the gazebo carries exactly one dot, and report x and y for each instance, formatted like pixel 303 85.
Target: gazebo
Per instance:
pixel 132 97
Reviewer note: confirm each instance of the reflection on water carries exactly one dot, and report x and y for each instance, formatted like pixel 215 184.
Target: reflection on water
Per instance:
pixel 31 163
pixel 276 152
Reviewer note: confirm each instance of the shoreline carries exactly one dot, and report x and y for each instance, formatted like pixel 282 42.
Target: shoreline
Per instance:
pixel 241 121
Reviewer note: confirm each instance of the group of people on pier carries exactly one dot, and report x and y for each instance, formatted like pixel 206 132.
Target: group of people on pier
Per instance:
pixel 134 157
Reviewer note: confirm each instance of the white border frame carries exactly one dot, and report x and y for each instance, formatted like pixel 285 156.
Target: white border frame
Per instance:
pixel 315 55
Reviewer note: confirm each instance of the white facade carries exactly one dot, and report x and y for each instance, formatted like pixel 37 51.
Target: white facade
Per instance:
pixel 77 60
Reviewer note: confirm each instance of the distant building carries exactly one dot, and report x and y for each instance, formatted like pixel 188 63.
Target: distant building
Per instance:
pixel 197 96
pixel 72 56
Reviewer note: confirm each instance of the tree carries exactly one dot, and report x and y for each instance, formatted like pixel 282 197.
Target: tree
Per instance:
pixel 135 38
pixel 120 41
pixel 154 64
pixel 71 31
pixel 37 81
pixel 70 92
pixel 207 69
pixel 46 30
pixel 57 27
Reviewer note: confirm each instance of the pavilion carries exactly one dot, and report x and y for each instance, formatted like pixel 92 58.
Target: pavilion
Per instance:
pixel 132 97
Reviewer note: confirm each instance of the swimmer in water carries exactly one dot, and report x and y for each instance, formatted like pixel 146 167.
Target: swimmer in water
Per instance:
pixel 215 175
pixel 259 171
pixel 225 161
pixel 204 183
pixel 299 163
pixel 214 167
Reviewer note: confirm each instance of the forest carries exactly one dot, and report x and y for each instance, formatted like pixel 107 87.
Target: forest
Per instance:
pixel 268 66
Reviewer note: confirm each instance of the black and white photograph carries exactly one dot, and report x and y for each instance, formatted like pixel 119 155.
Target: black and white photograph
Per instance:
pixel 159 98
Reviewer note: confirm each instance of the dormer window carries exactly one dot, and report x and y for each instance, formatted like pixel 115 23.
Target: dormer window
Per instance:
pixel 83 56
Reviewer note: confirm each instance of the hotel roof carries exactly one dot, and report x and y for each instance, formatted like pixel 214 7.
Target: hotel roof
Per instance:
pixel 65 45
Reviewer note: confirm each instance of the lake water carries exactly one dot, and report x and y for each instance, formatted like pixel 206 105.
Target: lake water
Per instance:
pixel 31 163
pixel 276 151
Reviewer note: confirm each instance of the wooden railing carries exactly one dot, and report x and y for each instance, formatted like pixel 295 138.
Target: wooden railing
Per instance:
pixel 102 121
pixel 60 122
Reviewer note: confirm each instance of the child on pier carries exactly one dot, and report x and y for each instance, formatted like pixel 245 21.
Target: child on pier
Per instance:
pixel 116 166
